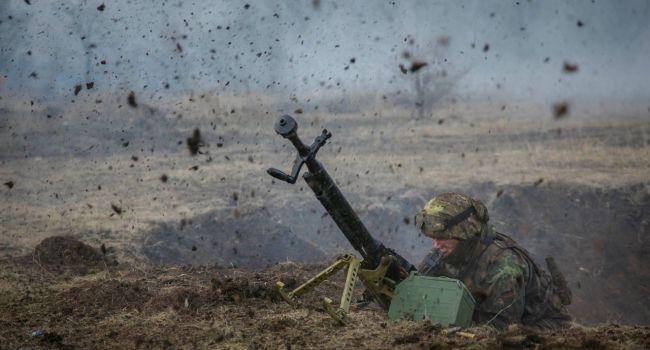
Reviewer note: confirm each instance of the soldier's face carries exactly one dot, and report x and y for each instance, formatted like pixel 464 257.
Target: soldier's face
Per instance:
pixel 444 246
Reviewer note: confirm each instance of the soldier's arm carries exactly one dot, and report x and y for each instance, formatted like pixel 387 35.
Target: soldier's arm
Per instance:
pixel 505 284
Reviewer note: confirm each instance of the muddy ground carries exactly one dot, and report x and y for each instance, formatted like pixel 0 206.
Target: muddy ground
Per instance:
pixel 183 249
pixel 53 303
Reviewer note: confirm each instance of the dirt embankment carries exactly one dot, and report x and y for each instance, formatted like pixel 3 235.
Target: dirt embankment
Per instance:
pixel 189 307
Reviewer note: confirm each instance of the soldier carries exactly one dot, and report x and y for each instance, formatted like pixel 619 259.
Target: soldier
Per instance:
pixel 505 282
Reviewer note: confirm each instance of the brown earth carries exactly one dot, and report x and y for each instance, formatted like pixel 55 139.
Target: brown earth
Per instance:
pixel 65 254
pixel 229 308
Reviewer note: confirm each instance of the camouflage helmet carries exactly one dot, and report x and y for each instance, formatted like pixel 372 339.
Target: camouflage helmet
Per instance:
pixel 452 215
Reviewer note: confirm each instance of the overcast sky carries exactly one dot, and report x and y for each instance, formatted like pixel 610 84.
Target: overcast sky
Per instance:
pixel 324 48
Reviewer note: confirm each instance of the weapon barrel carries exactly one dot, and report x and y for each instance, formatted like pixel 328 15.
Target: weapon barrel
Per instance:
pixel 340 210
pixel 335 203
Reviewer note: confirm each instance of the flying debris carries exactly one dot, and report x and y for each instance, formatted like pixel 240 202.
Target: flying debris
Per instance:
pixel 569 67
pixel 131 100
pixel 116 209
pixel 194 142
pixel 560 110
pixel 417 65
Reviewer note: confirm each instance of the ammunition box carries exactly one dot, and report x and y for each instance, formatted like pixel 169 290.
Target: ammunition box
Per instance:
pixel 442 300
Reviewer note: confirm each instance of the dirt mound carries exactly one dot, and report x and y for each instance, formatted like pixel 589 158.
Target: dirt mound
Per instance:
pixel 60 254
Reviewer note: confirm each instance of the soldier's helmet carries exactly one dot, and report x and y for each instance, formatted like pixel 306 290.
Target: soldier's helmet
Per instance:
pixel 452 215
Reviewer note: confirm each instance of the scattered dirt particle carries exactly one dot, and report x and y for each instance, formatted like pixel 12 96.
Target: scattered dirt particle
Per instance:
pixel 131 100
pixel 164 178
pixel 499 193
pixel 90 85
pixel 9 184
pixel 101 7
pixel 569 67
pixel 538 182
pixel 486 48
pixel 194 142
pixel 403 69
pixel 77 89
pixel 560 110
pixel 116 209
pixel 59 254
pixel 416 66
pixel 579 23
pixel 194 168
pixel 298 111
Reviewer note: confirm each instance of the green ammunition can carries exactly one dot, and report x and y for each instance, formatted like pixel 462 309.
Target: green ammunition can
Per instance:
pixel 442 300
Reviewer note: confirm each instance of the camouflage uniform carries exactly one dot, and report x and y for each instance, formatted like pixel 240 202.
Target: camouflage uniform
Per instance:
pixel 505 282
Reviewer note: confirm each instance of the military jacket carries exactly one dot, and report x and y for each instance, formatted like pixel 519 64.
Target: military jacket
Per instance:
pixel 507 285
